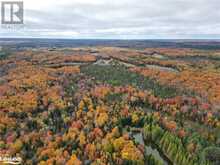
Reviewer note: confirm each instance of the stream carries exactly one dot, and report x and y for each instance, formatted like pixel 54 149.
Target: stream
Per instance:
pixel 149 149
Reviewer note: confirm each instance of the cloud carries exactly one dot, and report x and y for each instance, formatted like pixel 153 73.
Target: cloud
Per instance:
pixel 119 19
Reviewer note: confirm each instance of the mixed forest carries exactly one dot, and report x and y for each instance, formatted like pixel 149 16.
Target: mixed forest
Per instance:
pixel 111 106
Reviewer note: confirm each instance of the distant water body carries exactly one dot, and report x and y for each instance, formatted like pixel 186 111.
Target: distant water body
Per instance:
pixel 23 43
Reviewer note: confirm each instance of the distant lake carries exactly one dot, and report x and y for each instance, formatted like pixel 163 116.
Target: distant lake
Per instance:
pixel 23 43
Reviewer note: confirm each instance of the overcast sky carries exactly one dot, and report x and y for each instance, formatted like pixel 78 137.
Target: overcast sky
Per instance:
pixel 118 19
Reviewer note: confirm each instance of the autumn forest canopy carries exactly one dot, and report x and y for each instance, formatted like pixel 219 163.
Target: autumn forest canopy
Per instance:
pixel 104 105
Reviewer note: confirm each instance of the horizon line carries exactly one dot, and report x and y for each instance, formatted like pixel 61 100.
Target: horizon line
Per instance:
pixel 140 39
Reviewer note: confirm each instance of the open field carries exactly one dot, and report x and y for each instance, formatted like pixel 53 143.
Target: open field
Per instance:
pixel 111 105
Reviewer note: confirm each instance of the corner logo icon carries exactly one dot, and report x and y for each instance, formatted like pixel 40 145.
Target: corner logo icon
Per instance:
pixel 12 12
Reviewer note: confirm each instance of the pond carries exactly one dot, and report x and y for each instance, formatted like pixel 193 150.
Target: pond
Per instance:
pixel 104 62
pixel 149 149
pixel 159 56
pixel 162 68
